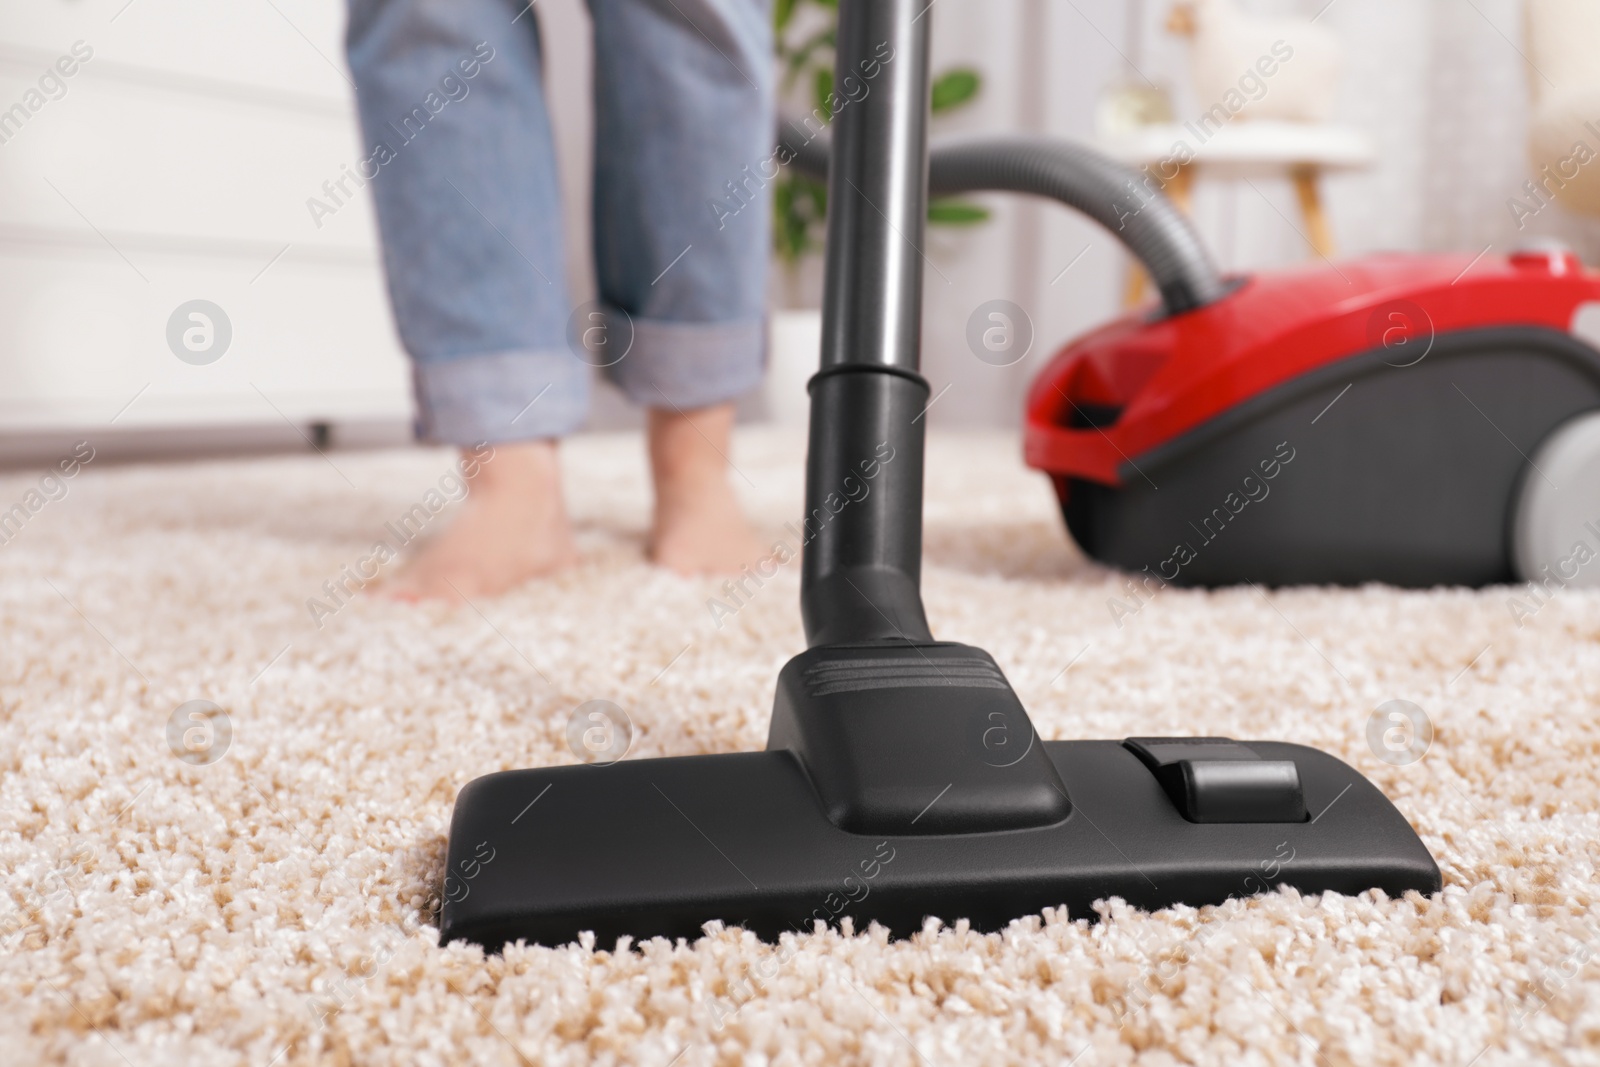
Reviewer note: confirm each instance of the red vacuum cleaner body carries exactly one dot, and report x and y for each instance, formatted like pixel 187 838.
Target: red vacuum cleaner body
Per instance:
pixel 1370 421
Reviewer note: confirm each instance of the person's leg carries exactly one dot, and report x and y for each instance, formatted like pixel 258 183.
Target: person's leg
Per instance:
pixel 697 526
pixel 457 147
pixel 684 123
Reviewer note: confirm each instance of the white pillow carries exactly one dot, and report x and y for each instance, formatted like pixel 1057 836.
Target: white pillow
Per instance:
pixel 1232 50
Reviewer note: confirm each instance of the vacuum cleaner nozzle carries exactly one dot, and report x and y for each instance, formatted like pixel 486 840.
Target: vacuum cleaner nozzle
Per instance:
pixel 901 782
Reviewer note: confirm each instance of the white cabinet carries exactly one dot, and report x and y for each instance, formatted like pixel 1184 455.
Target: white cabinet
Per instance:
pixel 174 164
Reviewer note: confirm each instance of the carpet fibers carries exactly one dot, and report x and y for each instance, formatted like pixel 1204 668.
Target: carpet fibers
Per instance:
pixel 268 900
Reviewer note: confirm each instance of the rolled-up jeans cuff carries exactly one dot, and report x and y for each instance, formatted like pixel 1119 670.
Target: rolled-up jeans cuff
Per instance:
pixel 691 364
pixel 501 396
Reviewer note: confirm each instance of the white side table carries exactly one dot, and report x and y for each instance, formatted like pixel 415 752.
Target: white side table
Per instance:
pixel 1240 150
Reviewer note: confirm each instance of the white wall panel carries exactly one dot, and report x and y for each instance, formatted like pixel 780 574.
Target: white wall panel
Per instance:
pixel 284 47
pixel 93 336
pixel 176 167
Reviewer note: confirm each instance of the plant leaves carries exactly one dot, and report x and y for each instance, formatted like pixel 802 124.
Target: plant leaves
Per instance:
pixel 823 90
pixel 954 88
pixel 799 204
pixel 956 213
pixel 801 55
pixel 818 191
pixel 789 229
pixel 799 208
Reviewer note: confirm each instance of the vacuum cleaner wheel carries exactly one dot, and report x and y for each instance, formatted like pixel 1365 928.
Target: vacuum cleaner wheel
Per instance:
pixel 1555 529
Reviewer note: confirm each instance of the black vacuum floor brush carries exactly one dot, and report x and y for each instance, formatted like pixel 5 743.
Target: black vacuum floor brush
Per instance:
pixel 902 778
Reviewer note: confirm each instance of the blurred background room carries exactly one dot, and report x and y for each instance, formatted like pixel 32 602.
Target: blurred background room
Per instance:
pixel 186 156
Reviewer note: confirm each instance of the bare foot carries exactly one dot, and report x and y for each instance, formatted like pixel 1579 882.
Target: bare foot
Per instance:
pixel 512 527
pixel 698 526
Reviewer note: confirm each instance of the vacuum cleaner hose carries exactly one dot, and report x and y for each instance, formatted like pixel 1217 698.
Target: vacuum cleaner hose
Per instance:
pixel 1147 223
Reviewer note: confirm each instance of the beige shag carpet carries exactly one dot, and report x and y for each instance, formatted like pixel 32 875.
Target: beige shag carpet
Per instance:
pixel 272 907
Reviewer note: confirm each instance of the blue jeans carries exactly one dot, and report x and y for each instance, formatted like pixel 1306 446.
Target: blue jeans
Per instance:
pixel 459 153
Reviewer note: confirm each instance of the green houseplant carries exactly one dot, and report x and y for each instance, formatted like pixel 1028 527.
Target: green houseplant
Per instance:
pixel 806 34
